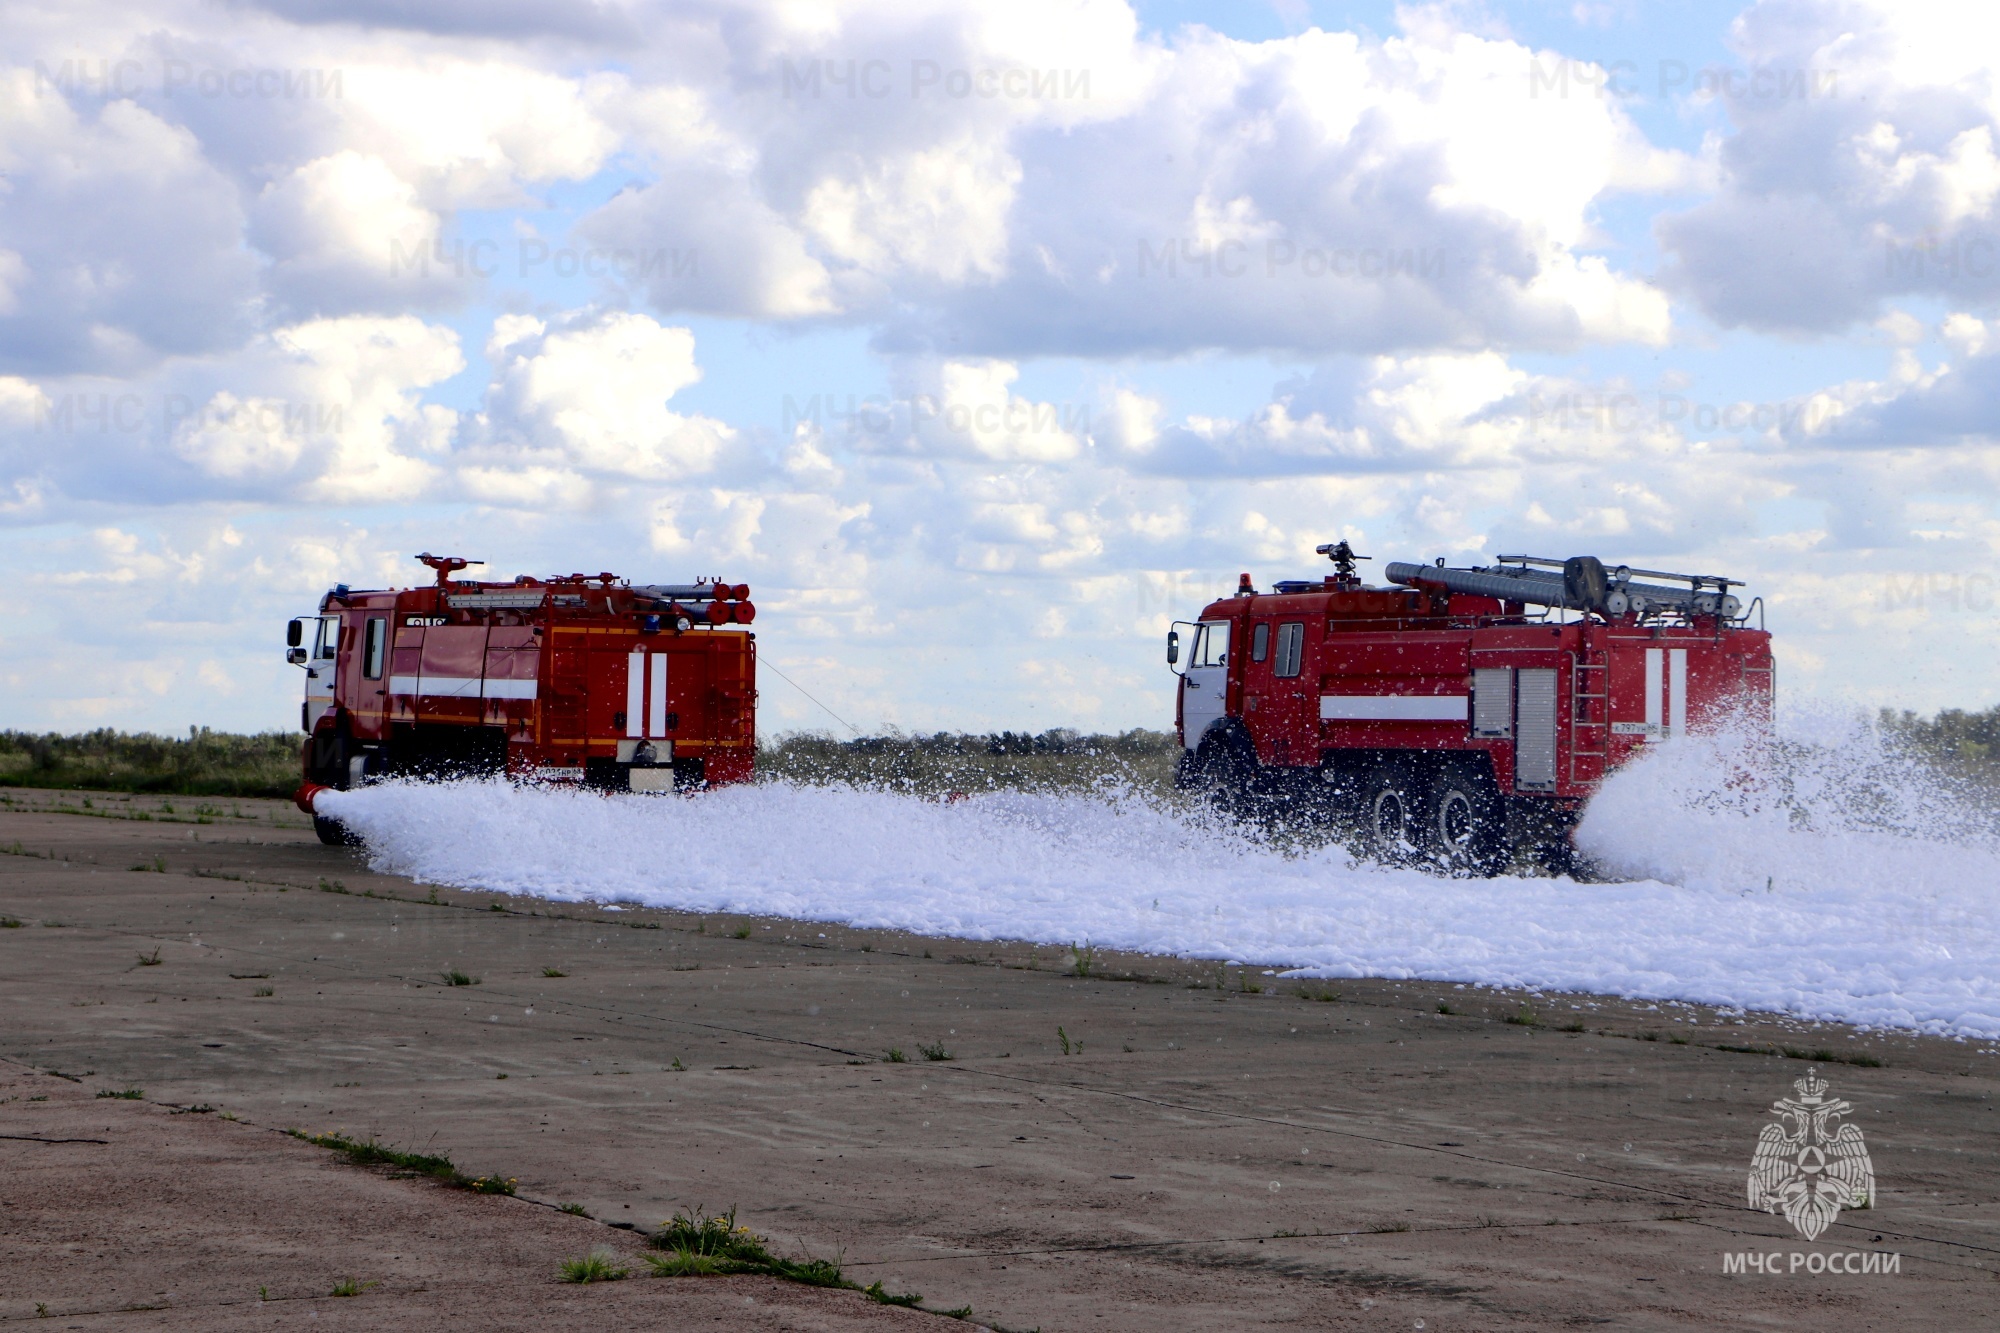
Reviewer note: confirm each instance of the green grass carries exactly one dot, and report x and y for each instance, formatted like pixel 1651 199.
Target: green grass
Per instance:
pixel 895 1056
pixel 211 763
pixel 696 1243
pixel 436 1166
pixel 935 1051
pixel 597 1266
pixel 1525 1018
pixel 454 977
pixel 128 1095
pixel 1962 744
pixel 152 959
pixel 574 1209
pixel 10 923
pixel 909 1300
pixel 554 972
pixel 740 933
pixel 1818 1055
pixel 202 763
pixel 948 763
pixel 347 1286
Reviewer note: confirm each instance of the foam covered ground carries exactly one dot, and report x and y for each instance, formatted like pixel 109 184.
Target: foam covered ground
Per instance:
pixel 1815 879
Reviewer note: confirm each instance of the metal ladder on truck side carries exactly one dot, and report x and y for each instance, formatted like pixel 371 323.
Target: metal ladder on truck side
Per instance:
pixel 1589 709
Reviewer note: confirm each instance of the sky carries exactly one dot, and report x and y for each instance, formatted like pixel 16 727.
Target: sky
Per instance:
pixel 985 338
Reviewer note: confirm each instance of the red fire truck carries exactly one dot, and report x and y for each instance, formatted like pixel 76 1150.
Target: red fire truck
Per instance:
pixel 1461 715
pixel 579 678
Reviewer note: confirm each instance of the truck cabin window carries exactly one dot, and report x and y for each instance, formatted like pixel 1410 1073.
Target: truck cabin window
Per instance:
pixel 373 648
pixel 1260 642
pixel 1291 644
pixel 1211 649
pixel 329 638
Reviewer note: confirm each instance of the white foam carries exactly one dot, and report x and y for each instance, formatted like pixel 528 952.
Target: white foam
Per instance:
pixel 1758 879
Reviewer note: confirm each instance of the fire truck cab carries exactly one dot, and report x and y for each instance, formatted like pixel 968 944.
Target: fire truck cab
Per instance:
pixel 1459 716
pixel 578 678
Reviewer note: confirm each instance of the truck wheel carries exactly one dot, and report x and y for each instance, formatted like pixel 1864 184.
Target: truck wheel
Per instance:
pixel 1388 822
pixel 1466 828
pixel 334 833
pixel 1222 775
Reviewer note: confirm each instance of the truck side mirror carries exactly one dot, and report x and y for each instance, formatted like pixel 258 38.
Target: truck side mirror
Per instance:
pixel 296 656
pixel 1173 646
pixel 295 634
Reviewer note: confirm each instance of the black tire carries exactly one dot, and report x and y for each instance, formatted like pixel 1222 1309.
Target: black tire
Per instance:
pixel 1389 816
pixel 1221 774
pixel 1465 824
pixel 334 833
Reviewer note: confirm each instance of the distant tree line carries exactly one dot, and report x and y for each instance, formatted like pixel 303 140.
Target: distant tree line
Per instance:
pixel 1965 743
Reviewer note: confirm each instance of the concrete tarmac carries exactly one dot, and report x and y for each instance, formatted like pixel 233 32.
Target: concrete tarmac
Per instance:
pixel 1057 1141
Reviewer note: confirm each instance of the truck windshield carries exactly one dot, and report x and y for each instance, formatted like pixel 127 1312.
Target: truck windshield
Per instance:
pixel 1211 649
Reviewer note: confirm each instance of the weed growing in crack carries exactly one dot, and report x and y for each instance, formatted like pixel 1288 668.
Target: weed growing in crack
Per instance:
pixel 369 1152
pixel 597 1266
pixel 453 977
pixel 895 1056
pixel 935 1051
pixel 554 972
pixel 909 1299
pixel 347 1286
pixel 696 1244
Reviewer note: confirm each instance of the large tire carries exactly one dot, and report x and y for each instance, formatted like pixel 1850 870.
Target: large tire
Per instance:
pixel 1221 774
pixel 1465 824
pixel 334 833
pixel 1390 802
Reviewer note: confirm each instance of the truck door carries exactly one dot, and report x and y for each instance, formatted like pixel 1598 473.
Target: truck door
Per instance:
pixel 1206 682
pixel 320 668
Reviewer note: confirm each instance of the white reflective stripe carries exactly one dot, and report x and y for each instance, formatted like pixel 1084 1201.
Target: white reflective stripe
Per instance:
pixel 635 695
pixel 449 687
pixel 656 713
pixel 1656 713
pixel 402 684
pixel 1393 707
pixel 1677 691
pixel 509 689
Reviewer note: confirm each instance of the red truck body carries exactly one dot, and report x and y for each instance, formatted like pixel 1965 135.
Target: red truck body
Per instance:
pixel 1457 726
pixel 579 678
